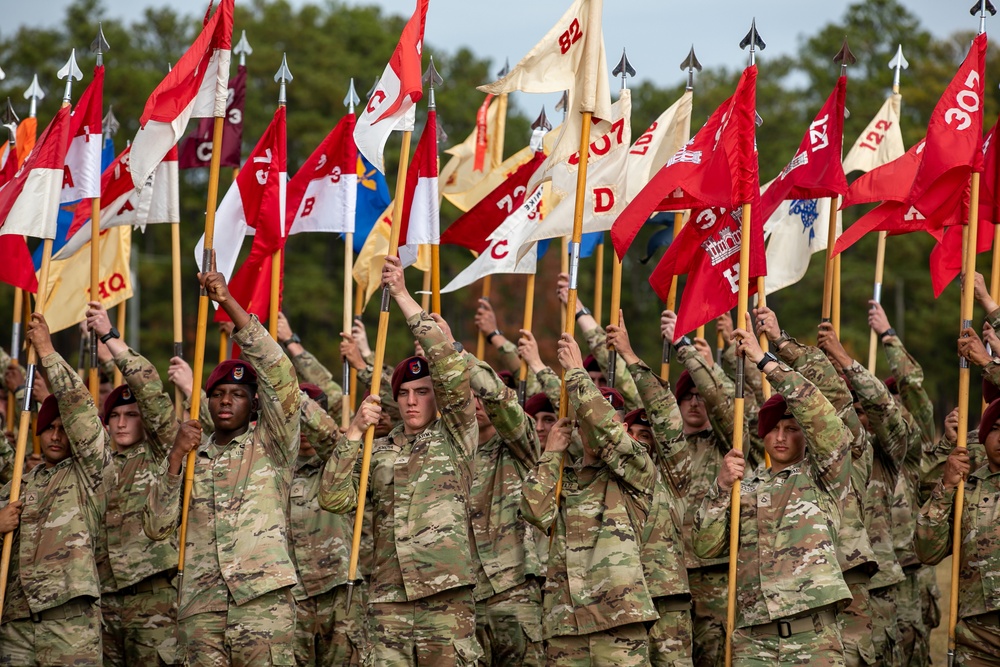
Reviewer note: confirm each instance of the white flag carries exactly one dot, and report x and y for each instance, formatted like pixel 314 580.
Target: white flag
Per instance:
pixel 658 143
pixel 880 142
pixel 795 231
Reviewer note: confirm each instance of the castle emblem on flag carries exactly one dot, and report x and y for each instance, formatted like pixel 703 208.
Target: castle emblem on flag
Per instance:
pixel 723 245
pixel 808 213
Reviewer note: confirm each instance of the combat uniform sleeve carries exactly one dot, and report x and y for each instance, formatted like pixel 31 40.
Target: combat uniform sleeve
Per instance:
pixel 385 388
pixel 627 458
pixel 505 413
pixel 155 406
pixel 309 369
pixel 338 488
pixel 717 393
pixel 932 540
pixel 319 427
pixel 666 423
pixel 451 384
pixel 106 367
pixel 512 362
pixel 538 499
pixel 910 380
pixel 752 378
pixel 277 391
pixel 550 383
pixel 162 512
pixel 204 414
pixel 597 339
pixel 710 537
pixel 892 433
pixel 87 438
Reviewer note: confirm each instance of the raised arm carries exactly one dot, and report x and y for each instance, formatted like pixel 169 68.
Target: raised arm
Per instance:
pixel 505 413
pixel 338 488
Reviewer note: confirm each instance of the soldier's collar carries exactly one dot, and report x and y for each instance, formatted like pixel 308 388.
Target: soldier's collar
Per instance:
pixel 212 449
pixel 983 472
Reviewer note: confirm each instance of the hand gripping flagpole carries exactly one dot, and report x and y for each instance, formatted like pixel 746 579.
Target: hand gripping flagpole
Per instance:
pixel 282 77
pixel 970 237
pixel 624 69
pixel 690 65
pixel 496 159
pixel 69 72
pixel 98 47
pixel 197 370
pixel 896 64
pixel 845 58
pixel 754 41
pixel 433 79
pixel 539 128
pixel 10 121
pixel 350 100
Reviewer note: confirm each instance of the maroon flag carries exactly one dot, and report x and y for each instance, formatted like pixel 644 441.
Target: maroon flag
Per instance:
pixel 196 148
pixel 717 168
pixel 816 171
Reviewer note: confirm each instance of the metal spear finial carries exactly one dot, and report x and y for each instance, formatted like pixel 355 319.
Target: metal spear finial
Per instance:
pixel 623 69
pixel 981 7
pixel 243 49
pixel 69 72
pixel 506 69
pixel 898 63
pixel 689 65
pixel 431 79
pixel 282 77
pixel 34 93
pixel 371 91
pixel 351 98
pixel 563 104
pixel 110 124
pixel 538 130
pixel 10 121
pixel 844 57
pixel 754 41
pixel 100 45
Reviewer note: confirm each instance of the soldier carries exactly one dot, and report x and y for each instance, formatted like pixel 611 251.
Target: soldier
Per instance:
pixel 138 601
pixel 52 613
pixel 421 606
pixel 307 366
pixel 548 382
pixel 595 597
pixel 486 322
pixel 789 582
pixel 977 634
pixel 236 605
pixel 545 415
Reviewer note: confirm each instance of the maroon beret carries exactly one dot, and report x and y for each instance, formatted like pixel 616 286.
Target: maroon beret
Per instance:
pixel 46 414
pixel 409 370
pixel 508 379
pixel 991 392
pixel 637 417
pixel 892 385
pixel 683 386
pixel 312 391
pixel 590 364
pixel 614 397
pixel 988 420
pixel 231 371
pixel 121 395
pixel 539 403
pixel 772 412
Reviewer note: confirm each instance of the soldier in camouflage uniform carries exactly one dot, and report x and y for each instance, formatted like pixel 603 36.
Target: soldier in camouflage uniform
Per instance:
pixel 789 582
pixel 421 606
pixel 236 605
pixel 548 382
pixel 308 367
pixel 327 633
pixel 977 634
pixel 663 560
pixel 52 613
pixel 595 597
pixel 508 594
pixel 486 322
pixel 138 598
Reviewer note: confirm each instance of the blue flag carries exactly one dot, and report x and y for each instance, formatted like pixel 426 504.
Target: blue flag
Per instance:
pixel 589 243
pixel 107 153
pixel 373 198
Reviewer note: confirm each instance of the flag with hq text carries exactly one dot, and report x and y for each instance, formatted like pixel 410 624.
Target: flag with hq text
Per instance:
pixel 322 195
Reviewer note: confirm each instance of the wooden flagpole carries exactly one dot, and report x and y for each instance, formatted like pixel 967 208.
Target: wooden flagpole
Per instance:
pixel 496 160
pixel 359 306
pixel 425 297
pixel 526 324
pixel 348 374
pixel 599 285
pixel 117 380
pixel 175 279
pixel 671 304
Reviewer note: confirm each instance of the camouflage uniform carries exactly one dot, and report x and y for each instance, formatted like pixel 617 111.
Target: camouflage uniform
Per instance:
pixel 388 402
pixel 309 369
pixel 235 599
pixel 598 342
pixel 692 475
pixel 595 597
pixel 916 596
pixel 508 595
pixel 52 613
pixel 204 416
pixel 551 384
pixel 512 362
pixel 320 542
pixel 421 606
pixel 138 598
pixel 977 635
pixel 788 567
pixel 854 550
pixel 663 564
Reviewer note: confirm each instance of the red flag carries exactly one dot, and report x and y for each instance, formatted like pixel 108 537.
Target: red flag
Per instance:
pixel 890 181
pixel 717 168
pixel 816 171
pixel 420 222
pixel 989 184
pixel 708 250
pixel 9 167
pixel 196 148
pixel 473 229
pixel 322 196
pixel 946 257
pixel 482 134
pixel 16 269
pixel 263 201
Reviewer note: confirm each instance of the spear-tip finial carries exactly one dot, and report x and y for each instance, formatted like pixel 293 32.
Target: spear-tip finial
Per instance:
pixel 538 130
pixel 442 136
pixel 110 124
pixel 69 72
pixel 100 45
pixel 898 63
pixel 624 69
pixel 563 103
pixel 34 93
pixel 282 77
pixel 432 80
pixel 844 57
pixel 982 7
pixel 371 91
pixel 689 65
pixel 754 41
pixel 10 120
pixel 505 70
pixel 352 97
pixel 243 49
